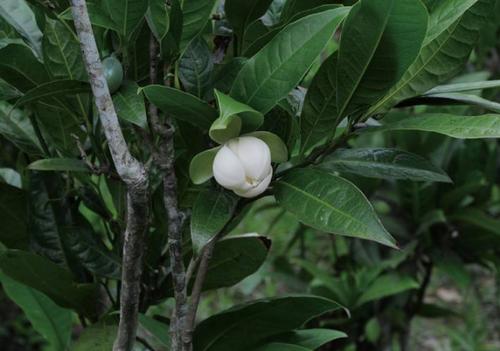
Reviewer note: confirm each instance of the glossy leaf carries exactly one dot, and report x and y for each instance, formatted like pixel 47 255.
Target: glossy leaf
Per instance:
pixel 129 104
pixel 380 40
pixel 234 118
pixel 285 60
pixel 279 151
pixel 457 98
pixel 98 17
pixel 440 59
pixel 158 18
pixel 20 68
pixel 20 16
pixel 330 203
pixel 181 105
pixel 55 88
pixel 7 91
pixel 126 14
pixel 16 127
pixel 54 281
pixel 61 52
pixel 212 210
pixel 387 285
pixel 384 164
pixel 293 7
pixel 319 116
pixel 51 321
pixel 200 168
pixel 244 326
pixel 461 127
pixel 461 87
pixel 196 14
pixel 278 346
pixel 195 68
pixel 10 177
pixel 13 213
pixel 156 328
pixel 309 338
pixel 59 164
pixel 241 13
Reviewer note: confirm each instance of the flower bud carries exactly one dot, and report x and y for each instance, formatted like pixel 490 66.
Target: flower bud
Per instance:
pixel 243 165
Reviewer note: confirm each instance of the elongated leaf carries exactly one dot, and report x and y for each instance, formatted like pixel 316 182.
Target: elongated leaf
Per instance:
pixel 126 14
pixel 8 91
pixel 98 17
pixel 293 7
pixel 443 15
pixel 59 164
pixel 129 104
pixel 285 60
pixel 384 164
pixel 278 346
pixel 461 87
pixel 319 116
pixel 98 337
pixel 54 88
pixel 61 52
pixel 330 203
pixel 479 219
pixel 456 98
pixel 196 14
pixel 380 40
pixel 158 18
pixel 200 168
pixel 16 127
pixel 211 212
pixel 387 285
pixel 11 177
pixel 54 281
pixel 234 118
pixel 50 320
pixel 241 13
pixel 461 127
pixel 156 328
pixel 242 327
pixel 195 67
pixel 13 213
pixel 440 59
pixel 309 338
pixel 20 16
pixel 20 68
pixel 181 105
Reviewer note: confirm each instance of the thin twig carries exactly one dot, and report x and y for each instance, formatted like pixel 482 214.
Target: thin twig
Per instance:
pixel 130 170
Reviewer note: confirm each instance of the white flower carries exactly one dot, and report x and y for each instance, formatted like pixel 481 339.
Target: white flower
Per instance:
pixel 243 165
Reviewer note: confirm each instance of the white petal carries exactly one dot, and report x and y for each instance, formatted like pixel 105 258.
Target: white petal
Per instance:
pixel 255 157
pixel 228 170
pixel 259 189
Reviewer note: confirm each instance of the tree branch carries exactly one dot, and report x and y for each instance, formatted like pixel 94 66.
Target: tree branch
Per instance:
pixel 130 170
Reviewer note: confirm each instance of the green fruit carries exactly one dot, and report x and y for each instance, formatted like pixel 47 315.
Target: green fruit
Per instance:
pixel 113 72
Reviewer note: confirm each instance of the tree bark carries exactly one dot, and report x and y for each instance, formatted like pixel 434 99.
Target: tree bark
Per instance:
pixel 131 171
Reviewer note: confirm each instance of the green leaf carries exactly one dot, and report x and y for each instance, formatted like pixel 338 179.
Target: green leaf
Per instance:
pixel 279 151
pixel 181 105
pixel 478 219
pixel 294 7
pixel 20 68
pixel 235 118
pixel 196 14
pixel 212 210
pixel 384 164
pixel 52 89
pixel 7 91
pixel 443 15
pixel 129 104
pixel 98 17
pixel 16 127
pixel 195 68
pixel 54 281
pixel 457 98
pixel 387 285
pixel 319 116
pixel 170 45
pixel 285 59
pixel 243 327
pixel 10 177
pixel 278 346
pixel 59 164
pixel 380 40
pixel 461 87
pixel 330 203
pixel 309 338
pixel 156 328
pixel 98 337
pixel 158 18
pixel 20 16
pixel 126 14
pixel 241 13
pixel 200 168
pixel 461 127
pixel 61 52
pixel 440 59
pixel 13 213
pixel 51 321
pixel 234 259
